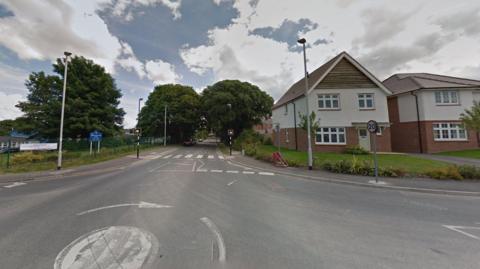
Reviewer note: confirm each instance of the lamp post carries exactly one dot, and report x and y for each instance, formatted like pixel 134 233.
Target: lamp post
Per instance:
pixel 309 139
pixel 165 127
pixel 60 140
pixel 137 130
pixel 229 134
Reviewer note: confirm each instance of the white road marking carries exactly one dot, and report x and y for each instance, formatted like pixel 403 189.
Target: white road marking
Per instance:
pixel 160 166
pixel 210 156
pixel 232 171
pixel 110 247
pixel 202 170
pixel 166 157
pixel 216 171
pixel 218 236
pixel 221 157
pixel 177 156
pixel 248 172
pixel 266 173
pixel 199 156
pixel 139 205
pixel 239 165
pixel 230 183
pixel 458 229
pixel 374 182
pixel 188 156
pixel 194 164
pixel 15 184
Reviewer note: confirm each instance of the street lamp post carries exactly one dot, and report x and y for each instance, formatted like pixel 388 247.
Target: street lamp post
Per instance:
pixel 165 127
pixel 137 130
pixel 309 139
pixel 60 140
pixel 230 135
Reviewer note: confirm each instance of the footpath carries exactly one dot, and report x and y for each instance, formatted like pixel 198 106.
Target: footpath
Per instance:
pixel 424 185
pixel 90 169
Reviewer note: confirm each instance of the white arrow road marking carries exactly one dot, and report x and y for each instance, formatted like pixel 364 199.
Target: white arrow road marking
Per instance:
pixel 188 156
pixel 216 171
pixel 210 156
pixel 221 157
pixel 459 229
pixel 110 247
pixel 15 184
pixel 232 171
pixel 218 236
pixel 266 173
pixel 230 183
pixel 177 156
pixel 248 172
pixel 168 156
pixel 140 205
pixel 199 156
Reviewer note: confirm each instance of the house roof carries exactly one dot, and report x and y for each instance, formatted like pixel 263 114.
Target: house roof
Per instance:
pixel 298 88
pixel 407 82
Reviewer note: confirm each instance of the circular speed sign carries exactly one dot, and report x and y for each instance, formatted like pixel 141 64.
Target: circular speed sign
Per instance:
pixel 372 126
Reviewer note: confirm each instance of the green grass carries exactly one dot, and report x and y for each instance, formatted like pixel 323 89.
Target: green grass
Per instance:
pixel 70 159
pixel 471 153
pixel 410 164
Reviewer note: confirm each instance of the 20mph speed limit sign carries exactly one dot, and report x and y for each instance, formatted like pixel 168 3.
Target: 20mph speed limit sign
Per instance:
pixel 372 126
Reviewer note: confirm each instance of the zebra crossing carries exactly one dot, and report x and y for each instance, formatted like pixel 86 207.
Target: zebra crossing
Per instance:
pixel 191 156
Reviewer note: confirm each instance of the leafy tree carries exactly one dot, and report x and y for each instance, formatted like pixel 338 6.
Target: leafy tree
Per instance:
pixel 183 115
pixel 471 118
pixel 313 123
pixel 92 100
pixel 20 124
pixel 248 105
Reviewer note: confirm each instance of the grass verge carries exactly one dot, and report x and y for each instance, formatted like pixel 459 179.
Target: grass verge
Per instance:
pixel 471 153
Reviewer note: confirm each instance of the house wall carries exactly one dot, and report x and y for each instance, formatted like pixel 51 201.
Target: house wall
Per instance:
pixel 287 120
pixel 432 111
pixel 432 146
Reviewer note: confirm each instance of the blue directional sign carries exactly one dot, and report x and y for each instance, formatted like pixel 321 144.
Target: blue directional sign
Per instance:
pixel 95 136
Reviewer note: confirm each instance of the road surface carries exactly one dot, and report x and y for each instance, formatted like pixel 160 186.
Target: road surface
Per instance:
pixel 191 207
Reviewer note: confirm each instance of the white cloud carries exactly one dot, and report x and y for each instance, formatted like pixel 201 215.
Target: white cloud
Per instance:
pixel 7 105
pixel 161 72
pixel 129 61
pixel 122 8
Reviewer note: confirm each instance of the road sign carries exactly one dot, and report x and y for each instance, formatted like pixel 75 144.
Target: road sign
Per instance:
pixel 95 136
pixel 230 132
pixel 372 126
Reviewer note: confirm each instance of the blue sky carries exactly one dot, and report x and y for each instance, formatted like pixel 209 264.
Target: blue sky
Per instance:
pixel 197 42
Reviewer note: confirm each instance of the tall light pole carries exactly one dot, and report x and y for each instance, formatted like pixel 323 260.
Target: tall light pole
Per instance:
pixel 165 127
pixel 60 140
pixel 138 115
pixel 309 139
pixel 137 130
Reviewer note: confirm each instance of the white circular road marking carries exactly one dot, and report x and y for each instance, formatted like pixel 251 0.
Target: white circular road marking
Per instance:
pixel 110 247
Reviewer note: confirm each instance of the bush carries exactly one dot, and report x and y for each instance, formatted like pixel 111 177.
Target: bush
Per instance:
pixel 363 168
pixel 449 172
pixel 469 171
pixel 27 157
pixel 355 150
pixel 268 141
pixel 247 137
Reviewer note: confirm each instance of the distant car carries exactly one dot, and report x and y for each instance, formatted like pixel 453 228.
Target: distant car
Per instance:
pixel 6 150
pixel 189 142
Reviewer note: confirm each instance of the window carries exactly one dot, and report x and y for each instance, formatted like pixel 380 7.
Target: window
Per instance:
pixel 329 135
pixel 446 98
pixel 365 101
pixel 328 101
pixel 286 109
pixel 380 130
pixel 449 131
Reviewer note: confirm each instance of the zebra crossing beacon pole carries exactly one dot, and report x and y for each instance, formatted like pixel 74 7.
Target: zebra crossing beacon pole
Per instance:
pixel 372 127
pixel 137 131
pixel 230 135
pixel 165 127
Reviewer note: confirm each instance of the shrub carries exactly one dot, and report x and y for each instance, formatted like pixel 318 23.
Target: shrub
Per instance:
pixel 268 141
pixel 449 172
pixel 247 137
pixel 27 157
pixel 355 150
pixel 469 171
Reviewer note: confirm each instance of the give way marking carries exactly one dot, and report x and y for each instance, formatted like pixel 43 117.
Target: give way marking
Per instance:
pixel 461 229
pixel 15 184
pixel 139 205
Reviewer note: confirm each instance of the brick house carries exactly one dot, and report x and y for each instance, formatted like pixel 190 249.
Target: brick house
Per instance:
pixel 264 128
pixel 425 112
pixel 344 96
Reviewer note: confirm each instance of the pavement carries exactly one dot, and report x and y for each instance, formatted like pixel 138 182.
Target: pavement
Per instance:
pixel 449 159
pixel 196 208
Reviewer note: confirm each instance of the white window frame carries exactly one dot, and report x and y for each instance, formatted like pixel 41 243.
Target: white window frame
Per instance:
pixel 363 96
pixel 380 130
pixel 445 97
pixel 331 132
pixel 324 97
pixel 449 128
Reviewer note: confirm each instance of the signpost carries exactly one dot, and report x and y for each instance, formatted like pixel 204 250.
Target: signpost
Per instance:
pixel 230 135
pixel 372 127
pixel 277 129
pixel 95 136
pixel 137 132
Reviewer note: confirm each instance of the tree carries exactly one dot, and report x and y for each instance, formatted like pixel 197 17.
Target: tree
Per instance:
pixel 20 124
pixel 313 123
pixel 471 118
pixel 248 105
pixel 183 105
pixel 92 100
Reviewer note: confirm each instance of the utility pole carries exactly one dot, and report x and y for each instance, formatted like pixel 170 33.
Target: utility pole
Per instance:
pixel 309 138
pixel 165 127
pixel 60 140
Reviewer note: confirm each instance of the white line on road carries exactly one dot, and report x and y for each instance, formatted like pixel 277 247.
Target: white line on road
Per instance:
pixel 248 172
pixel 216 171
pixel 194 164
pixel 266 173
pixel 232 171
pixel 188 156
pixel 221 157
pixel 230 183
pixel 202 170
pixel 168 156
pixel 139 205
pixel 210 156
pixel 177 156
pixel 199 156
pixel 218 236
pixel 15 184
pixel 160 166
pixel 239 165
pixel 458 229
